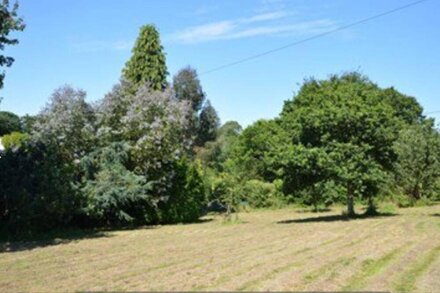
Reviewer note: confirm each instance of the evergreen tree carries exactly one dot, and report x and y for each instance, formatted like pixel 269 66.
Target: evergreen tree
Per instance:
pixel 147 64
pixel 186 85
pixel 208 124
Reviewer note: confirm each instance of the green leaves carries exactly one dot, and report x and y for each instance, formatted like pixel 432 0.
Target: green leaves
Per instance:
pixel 147 65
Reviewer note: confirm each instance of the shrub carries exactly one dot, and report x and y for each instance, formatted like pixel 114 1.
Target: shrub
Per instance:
pixel 186 198
pixel 261 194
pixel 36 191
pixel 14 140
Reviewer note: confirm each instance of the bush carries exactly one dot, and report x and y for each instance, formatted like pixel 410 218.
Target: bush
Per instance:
pixel 14 140
pixel 36 191
pixel 403 200
pixel 259 194
pixel 186 198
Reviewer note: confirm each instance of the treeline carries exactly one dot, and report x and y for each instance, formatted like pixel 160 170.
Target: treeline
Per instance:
pixel 153 152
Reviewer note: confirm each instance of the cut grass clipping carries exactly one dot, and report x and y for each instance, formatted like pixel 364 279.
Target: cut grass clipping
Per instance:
pixel 370 267
pixel 407 281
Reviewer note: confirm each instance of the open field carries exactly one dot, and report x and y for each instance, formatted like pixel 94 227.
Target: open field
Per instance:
pixel 270 250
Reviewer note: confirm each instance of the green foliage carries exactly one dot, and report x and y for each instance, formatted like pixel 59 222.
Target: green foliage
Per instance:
pixel 208 124
pixel 9 22
pixel 418 164
pixel 36 190
pixel 114 195
pixel 147 63
pixel 352 124
pixel 14 140
pixel 186 198
pixel 27 123
pixel 259 194
pixel 215 153
pixel 9 122
pixel 407 281
pixel 186 86
pixel 258 146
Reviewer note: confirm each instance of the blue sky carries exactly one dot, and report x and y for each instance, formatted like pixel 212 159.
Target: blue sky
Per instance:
pixel 86 44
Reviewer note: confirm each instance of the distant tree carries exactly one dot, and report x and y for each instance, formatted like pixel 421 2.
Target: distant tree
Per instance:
pixel 9 122
pixel 186 85
pixel 27 123
pixel 68 122
pixel 147 64
pixel 208 124
pixel 418 164
pixel 215 153
pixel 257 148
pixel 9 22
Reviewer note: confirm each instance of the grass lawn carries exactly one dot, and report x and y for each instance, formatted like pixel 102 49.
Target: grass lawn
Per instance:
pixel 282 250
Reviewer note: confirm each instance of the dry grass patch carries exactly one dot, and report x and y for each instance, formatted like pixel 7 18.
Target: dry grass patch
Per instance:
pixel 272 249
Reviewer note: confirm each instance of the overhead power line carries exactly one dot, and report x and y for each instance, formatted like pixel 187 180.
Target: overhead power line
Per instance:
pixel 433 112
pixel 361 21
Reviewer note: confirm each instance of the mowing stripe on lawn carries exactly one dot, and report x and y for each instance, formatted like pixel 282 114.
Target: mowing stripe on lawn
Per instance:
pixel 407 281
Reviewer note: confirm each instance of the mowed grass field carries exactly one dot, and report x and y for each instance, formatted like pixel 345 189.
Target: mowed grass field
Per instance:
pixel 282 250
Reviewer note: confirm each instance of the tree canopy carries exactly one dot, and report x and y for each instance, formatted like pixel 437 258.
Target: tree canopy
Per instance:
pixel 147 64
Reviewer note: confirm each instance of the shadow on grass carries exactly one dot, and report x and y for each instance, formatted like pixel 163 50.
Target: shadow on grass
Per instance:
pixel 30 242
pixel 20 242
pixel 57 237
pixel 336 218
pixel 311 210
pixel 436 215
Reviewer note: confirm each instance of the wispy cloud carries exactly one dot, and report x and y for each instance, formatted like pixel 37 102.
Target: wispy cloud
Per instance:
pixel 270 5
pixel 265 24
pixel 203 10
pixel 99 46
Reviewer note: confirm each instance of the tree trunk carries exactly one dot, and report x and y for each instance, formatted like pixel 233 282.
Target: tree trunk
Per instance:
pixel 350 201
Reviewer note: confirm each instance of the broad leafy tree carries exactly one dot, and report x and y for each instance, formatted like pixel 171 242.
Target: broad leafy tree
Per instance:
pixel 418 164
pixel 354 123
pixel 68 122
pixel 255 152
pixel 156 126
pixel 9 122
pixel 215 153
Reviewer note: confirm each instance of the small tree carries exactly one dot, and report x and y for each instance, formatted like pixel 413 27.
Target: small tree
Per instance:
pixel 113 194
pixel 147 64
pixel 418 164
